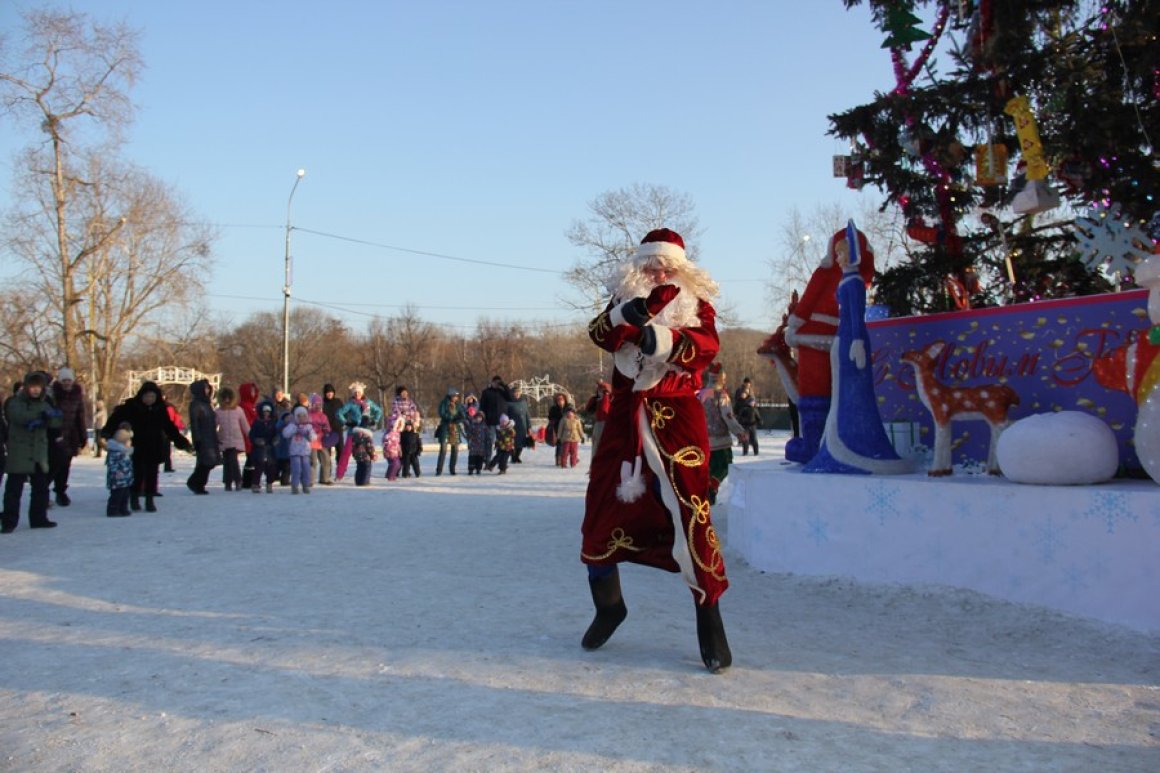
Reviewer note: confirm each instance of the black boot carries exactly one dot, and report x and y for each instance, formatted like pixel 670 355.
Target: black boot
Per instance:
pixel 610 610
pixel 711 636
pixel 149 506
pixel 135 502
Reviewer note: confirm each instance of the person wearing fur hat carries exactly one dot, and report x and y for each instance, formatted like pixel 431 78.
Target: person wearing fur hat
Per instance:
pixel 359 411
pixel 721 424
pixel 811 328
pixel 203 430
pixel 233 433
pixel 69 398
pixel 147 413
pixel 32 418
pixel 647 499
pixel 300 433
pixel 119 471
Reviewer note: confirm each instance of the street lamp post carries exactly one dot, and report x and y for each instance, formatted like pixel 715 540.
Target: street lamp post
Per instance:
pixel 286 292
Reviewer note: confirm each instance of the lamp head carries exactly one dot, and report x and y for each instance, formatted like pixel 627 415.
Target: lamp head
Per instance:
pixel 301 172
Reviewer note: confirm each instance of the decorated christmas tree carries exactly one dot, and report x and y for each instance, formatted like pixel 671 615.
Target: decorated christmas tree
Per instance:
pixel 1016 138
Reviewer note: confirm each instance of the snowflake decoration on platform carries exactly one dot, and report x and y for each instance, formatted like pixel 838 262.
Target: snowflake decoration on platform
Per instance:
pixel 1107 239
pixel 819 530
pixel 1048 537
pixel 1111 507
pixel 882 501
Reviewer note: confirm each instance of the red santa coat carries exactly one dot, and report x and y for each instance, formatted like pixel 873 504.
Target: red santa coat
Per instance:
pixel 812 327
pixel 654 452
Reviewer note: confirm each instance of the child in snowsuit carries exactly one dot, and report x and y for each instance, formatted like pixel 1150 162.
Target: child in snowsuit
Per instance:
pixel 505 443
pixel 300 434
pixel 320 456
pixel 263 435
pixel 412 446
pixel 570 433
pixel 119 471
pixel 285 413
pixel 362 450
pixel 476 443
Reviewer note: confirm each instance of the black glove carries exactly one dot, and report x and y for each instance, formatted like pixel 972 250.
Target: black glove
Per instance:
pixel 648 339
pixel 635 312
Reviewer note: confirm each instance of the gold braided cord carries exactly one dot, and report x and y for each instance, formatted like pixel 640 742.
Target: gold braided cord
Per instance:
pixel 659 414
pixel 619 540
pixel 599 326
pixel 687 351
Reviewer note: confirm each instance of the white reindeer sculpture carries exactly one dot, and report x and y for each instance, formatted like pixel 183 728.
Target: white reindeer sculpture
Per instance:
pixel 946 403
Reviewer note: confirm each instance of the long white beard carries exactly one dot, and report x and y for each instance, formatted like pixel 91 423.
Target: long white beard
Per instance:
pixel 680 311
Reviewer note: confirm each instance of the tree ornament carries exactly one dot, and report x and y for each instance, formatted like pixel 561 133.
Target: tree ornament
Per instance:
pixel 1108 239
pixel 901 24
pixel 990 164
pixel 1019 108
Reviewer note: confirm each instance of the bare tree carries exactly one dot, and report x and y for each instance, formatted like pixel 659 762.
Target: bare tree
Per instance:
pixel 804 239
pixel 618 220
pixel 136 258
pixel 73 75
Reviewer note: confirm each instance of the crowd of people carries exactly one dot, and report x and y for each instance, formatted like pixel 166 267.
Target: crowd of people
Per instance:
pixel 257 442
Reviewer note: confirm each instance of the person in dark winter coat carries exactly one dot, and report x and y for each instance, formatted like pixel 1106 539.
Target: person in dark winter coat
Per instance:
pixel 493 401
pixel 69 397
pixel 745 409
pixel 203 428
pixel 148 415
pixel 475 433
pixel 263 436
pixel 31 418
pixel 331 405
pixel 450 430
pixel 411 443
pixel 517 410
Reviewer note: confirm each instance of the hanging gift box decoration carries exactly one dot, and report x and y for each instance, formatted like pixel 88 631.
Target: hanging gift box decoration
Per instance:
pixel 990 164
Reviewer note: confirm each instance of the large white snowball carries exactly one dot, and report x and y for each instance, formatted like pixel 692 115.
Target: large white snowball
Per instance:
pixel 1065 448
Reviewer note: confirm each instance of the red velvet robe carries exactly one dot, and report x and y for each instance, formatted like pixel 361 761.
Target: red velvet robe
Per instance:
pixel 668 526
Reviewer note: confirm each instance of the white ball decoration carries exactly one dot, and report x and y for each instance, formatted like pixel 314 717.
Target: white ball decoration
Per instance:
pixel 1068 448
pixel 1148 434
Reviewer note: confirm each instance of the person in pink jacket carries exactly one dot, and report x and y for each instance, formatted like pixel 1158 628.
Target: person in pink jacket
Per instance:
pixel 233 429
pixel 319 456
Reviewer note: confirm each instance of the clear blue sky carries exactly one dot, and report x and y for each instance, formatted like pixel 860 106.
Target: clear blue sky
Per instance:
pixel 482 129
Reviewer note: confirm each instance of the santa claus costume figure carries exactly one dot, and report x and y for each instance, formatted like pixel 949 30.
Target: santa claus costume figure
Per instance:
pixel 648 492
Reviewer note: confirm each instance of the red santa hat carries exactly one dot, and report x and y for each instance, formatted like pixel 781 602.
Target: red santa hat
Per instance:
pixel 665 246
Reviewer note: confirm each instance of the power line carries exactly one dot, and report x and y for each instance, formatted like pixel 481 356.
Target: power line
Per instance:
pixel 427 254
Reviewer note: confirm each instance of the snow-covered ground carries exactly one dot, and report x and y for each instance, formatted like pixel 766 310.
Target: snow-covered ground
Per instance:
pixel 434 624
